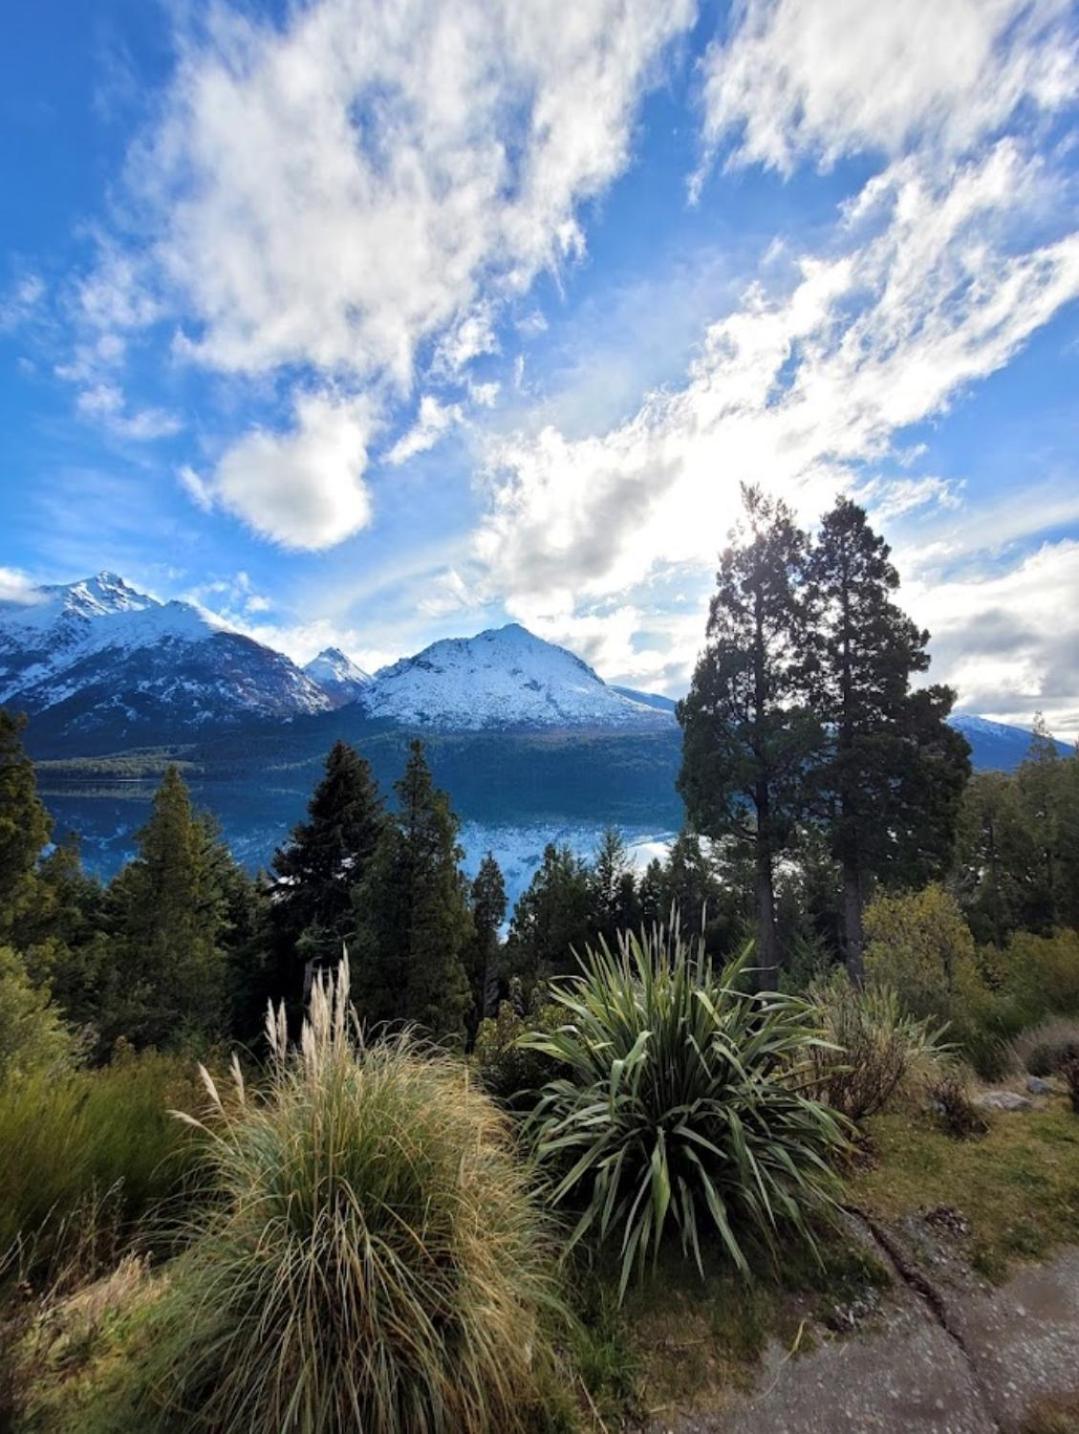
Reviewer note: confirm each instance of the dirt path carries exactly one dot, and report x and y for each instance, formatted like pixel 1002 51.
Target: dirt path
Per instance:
pixel 947 1354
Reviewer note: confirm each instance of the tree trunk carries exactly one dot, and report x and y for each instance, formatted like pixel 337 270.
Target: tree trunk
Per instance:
pixel 853 935
pixel 767 941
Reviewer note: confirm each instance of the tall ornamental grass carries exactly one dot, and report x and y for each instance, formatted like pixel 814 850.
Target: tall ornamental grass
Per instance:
pixel 684 1105
pixel 375 1260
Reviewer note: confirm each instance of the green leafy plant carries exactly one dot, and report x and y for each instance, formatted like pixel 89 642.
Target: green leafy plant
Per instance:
pixel 684 1103
pixel 375 1257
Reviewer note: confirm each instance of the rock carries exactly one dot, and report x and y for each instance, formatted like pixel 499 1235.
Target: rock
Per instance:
pixel 1002 1100
pixel 1037 1086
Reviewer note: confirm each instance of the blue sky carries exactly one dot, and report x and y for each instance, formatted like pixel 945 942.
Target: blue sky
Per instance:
pixel 376 321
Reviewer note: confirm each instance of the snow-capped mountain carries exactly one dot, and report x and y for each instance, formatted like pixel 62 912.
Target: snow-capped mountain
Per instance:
pixel 996 746
pixel 338 676
pixel 502 678
pixel 97 657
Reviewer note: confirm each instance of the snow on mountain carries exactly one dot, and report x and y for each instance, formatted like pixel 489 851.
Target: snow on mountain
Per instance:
pixel 996 746
pixel 338 676
pixel 99 656
pixel 504 677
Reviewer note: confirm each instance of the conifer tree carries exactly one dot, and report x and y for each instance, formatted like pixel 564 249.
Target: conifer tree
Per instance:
pixel 552 919
pixel 748 733
pixel 997 864
pixel 24 823
pixel 413 919
pixel 615 904
pixel 167 911
pixel 488 913
pixel 1040 791
pixel 316 871
pixel 894 771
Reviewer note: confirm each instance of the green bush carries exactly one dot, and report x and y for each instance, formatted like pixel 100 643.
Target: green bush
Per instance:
pixel 875 1052
pixel 1040 974
pixel 682 1105
pixel 376 1258
pixel 81 1140
pixel 509 1071
pixel 33 1036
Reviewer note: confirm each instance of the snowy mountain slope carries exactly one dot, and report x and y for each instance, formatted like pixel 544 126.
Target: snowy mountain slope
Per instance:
pixel 338 676
pixel 97 656
pixel 650 699
pixel 996 746
pixel 502 678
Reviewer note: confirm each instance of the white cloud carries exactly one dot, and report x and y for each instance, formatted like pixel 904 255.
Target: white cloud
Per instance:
pixel 337 190
pixel 797 390
pixel 21 301
pixel 105 403
pixel 303 488
pixel 196 487
pixel 365 181
pixel 433 421
pixel 1008 637
pixel 16 586
pixel 801 78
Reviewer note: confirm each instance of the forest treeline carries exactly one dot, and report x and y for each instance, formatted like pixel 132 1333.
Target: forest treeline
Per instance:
pixel 821 785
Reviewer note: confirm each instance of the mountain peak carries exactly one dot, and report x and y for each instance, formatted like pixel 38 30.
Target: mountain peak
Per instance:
pixel 503 677
pixel 337 675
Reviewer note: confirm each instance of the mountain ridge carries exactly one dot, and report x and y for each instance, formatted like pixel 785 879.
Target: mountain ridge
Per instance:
pixel 100 667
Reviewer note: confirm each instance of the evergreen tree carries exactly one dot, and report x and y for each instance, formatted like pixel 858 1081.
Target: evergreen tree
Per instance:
pixel 894 771
pixel 1068 842
pixel 613 882
pixel 1040 791
pixel 488 914
pixel 167 912
pixel 552 919
pixel 748 735
pixel 24 824
pixel 315 873
pixel 996 870
pixel 414 925
pixel 60 931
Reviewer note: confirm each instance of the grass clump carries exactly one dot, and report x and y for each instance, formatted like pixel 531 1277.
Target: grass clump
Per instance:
pixel 375 1258
pixel 874 1051
pixel 89 1157
pixel 1043 1049
pixel 682 1106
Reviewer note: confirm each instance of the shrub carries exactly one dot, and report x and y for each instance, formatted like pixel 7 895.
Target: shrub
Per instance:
pixel 874 1050
pixel 1043 1049
pixel 1041 973
pixel 89 1151
pixel 948 1093
pixel 33 1037
pixel 920 945
pixel 375 1260
pixel 1070 1071
pixel 509 1071
pixel 682 1104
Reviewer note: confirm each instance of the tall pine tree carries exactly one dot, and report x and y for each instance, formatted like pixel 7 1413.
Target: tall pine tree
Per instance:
pixel 314 874
pixel 412 912
pixel 167 914
pixel 488 913
pixel 894 771
pixel 748 734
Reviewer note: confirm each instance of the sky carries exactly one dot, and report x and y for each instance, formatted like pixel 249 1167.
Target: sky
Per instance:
pixel 370 322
